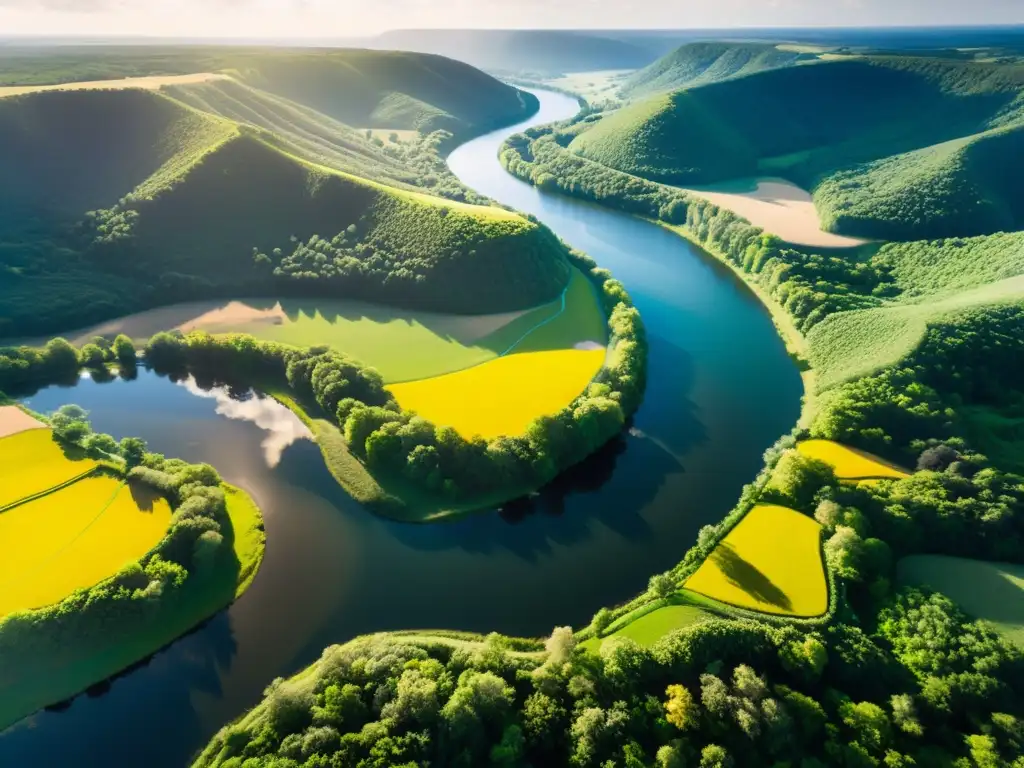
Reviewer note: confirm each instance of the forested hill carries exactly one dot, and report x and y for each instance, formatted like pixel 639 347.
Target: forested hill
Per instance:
pixel 869 135
pixel 696 64
pixel 525 50
pixel 363 88
pixel 113 201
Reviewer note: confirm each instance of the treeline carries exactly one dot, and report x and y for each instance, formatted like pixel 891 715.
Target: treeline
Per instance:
pixel 810 286
pixel 397 444
pixel 27 369
pixel 718 695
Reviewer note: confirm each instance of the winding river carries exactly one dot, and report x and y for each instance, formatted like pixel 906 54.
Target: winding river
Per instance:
pixel 721 390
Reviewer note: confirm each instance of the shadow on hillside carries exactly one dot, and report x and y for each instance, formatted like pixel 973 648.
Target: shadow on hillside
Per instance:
pixel 749 578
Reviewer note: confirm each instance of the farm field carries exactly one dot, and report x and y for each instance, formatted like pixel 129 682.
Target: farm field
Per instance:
pixel 13 420
pixel 74 538
pixel 770 562
pixel 34 463
pixel 403 345
pixel 990 591
pixel 777 206
pixel 503 396
pixel 850 463
pixel 651 627
pixel 149 83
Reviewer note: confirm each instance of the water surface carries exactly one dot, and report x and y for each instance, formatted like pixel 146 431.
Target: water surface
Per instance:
pixel 721 390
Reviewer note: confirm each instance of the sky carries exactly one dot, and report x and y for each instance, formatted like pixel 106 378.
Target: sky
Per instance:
pixel 354 18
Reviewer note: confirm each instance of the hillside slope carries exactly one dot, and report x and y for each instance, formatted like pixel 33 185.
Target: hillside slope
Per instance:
pixel 259 219
pixel 357 87
pixel 696 64
pixel 893 147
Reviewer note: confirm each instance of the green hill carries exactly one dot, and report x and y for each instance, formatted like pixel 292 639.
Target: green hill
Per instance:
pixel 936 280
pixel 894 147
pixel 696 64
pixel 357 87
pixel 115 201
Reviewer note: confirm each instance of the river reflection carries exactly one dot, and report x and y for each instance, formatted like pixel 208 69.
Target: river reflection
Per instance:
pixel 281 425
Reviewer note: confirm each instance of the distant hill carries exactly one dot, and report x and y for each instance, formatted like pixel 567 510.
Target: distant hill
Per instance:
pixel 534 50
pixel 696 64
pixel 894 147
pixel 113 201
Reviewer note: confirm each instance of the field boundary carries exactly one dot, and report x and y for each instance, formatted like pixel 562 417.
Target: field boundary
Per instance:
pixel 48 491
pixel 539 325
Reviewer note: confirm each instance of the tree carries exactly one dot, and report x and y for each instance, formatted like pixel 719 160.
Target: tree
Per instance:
pixel 680 708
pixel 663 585
pixel 124 351
pixel 91 356
pixel 797 478
pixel 602 620
pixel 560 645
pixel 714 756
pixel 904 714
pixel 133 451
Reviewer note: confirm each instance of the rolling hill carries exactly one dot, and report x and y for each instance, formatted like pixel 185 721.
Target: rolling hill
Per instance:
pixel 279 198
pixel 696 64
pixel 893 147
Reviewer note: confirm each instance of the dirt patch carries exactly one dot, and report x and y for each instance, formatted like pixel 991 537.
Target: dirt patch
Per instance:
pixel 151 83
pixel 13 421
pixel 777 206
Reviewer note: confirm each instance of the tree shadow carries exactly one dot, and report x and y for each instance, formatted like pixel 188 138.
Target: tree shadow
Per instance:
pixel 144 496
pixel 746 576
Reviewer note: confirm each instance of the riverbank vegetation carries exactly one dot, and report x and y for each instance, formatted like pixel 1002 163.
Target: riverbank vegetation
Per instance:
pixel 399 463
pixel 112 553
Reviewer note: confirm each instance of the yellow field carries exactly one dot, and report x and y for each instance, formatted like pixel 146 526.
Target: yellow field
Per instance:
pixel 849 463
pixel 770 562
pixel 75 538
pixel 503 396
pixel 32 462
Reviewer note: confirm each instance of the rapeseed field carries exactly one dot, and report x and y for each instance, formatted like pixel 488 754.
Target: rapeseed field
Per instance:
pixel 770 562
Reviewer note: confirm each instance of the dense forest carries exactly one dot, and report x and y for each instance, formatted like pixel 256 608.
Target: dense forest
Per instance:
pixel 92 204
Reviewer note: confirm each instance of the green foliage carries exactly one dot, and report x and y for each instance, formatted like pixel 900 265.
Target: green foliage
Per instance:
pixel 92 230
pixel 695 64
pixel 404 450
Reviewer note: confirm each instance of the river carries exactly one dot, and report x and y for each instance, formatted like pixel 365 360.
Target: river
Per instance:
pixel 721 390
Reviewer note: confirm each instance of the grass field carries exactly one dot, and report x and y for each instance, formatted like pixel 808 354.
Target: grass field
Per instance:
pixel 850 463
pixel 151 83
pixel 650 627
pixel 770 562
pixel 503 396
pixel 34 463
pixel 990 591
pixel 849 345
pixel 75 538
